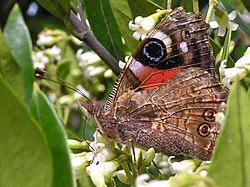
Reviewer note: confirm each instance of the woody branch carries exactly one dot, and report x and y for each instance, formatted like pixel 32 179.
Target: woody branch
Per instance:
pixel 80 30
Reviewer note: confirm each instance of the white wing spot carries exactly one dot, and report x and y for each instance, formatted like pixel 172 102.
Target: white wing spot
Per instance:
pixel 162 36
pixel 184 47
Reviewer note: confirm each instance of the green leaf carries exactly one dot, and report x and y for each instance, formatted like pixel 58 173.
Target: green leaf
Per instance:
pixel 54 132
pixel 104 26
pixel 142 7
pixel 17 38
pixel 9 68
pixel 221 16
pixel 246 3
pixel 123 15
pixel 231 159
pixel 59 8
pixel 24 156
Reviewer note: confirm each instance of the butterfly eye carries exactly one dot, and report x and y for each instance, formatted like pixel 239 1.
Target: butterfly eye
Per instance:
pixel 209 115
pixel 204 129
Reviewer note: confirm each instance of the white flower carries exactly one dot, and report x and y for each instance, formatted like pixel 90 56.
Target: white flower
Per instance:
pixel 222 28
pixel 82 90
pixel 40 59
pixel 92 71
pixel 44 40
pixel 78 164
pixel 50 37
pixel 238 72
pixel 121 175
pixel 142 26
pixel 54 53
pixel 220 118
pixel 141 181
pixel 102 149
pixel 76 40
pixel 102 172
pixel 187 166
pixel 121 64
pixel 86 58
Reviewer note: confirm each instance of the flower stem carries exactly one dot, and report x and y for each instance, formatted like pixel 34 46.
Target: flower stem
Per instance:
pixel 195 5
pixel 125 167
pixel 226 45
pixel 169 4
pixel 212 4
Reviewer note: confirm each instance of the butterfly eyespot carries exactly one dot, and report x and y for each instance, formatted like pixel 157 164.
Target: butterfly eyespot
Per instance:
pixel 152 52
pixel 204 129
pixel 209 115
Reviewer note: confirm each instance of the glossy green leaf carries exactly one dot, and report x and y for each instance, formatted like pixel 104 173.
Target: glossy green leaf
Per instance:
pixel 123 15
pixel 142 7
pixel 246 3
pixel 231 159
pixel 25 159
pixel 17 38
pixel 54 132
pixel 9 68
pixel 59 8
pixel 104 26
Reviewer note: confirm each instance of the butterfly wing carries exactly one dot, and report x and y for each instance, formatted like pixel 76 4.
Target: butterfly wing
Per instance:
pixel 177 117
pixel 167 95
pixel 180 40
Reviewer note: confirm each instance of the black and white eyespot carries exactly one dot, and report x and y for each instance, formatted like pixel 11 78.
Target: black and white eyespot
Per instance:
pixel 154 50
pixel 151 52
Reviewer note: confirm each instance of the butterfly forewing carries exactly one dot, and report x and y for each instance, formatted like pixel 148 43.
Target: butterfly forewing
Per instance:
pixel 167 95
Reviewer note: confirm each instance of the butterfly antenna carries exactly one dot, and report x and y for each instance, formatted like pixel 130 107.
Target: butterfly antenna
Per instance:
pixel 84 133
pixel 157 168
pixel 42 74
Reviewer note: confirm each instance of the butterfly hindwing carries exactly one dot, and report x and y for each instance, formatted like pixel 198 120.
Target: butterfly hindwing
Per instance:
pixel 167 96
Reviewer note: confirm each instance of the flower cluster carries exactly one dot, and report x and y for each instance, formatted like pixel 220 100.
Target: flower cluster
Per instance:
pixel 240 70
pixel 43 57
pixel 183 173
pixel 223 25
pixel 142 26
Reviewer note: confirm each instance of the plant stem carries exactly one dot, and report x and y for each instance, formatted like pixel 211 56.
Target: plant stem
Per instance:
pixel 212 4
pixel 80 30
pixel 169 4
pixel 196 6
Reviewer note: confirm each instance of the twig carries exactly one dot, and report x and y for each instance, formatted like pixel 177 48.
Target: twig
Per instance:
pixel 80 30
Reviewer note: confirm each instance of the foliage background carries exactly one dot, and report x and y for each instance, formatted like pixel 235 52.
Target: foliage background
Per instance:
pixel 33 131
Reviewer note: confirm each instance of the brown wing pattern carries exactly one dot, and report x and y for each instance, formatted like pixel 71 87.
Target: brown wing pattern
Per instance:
pixel 178 31
pixel 177 117
pixel 177 114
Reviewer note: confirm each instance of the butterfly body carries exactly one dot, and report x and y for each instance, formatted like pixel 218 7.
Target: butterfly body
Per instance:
pixel 167 96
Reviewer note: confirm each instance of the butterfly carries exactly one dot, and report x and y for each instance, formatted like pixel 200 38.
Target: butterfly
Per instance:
pixel 167 95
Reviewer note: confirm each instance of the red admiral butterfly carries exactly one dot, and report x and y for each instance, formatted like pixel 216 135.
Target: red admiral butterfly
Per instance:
pixel 167 95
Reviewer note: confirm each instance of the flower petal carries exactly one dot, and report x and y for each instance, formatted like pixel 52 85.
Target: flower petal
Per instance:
pixel 138 20
pixel 234 26
pixel 222 31
pixel 133 26
pixel 222 67
pixel 214 24
pixel 137 35
pixel 232 15
pixel 244 60
pixel 148 24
